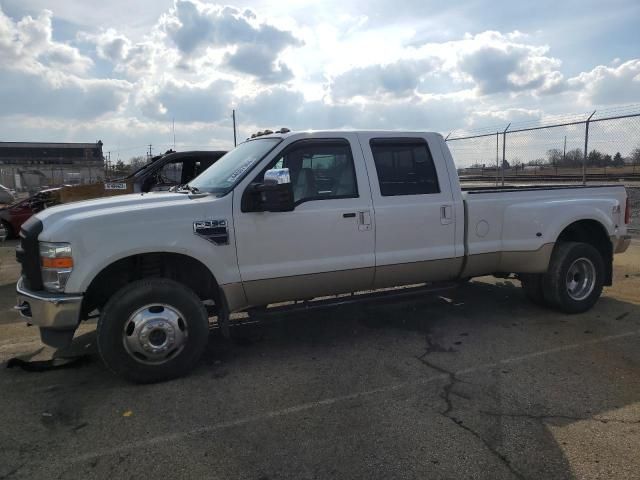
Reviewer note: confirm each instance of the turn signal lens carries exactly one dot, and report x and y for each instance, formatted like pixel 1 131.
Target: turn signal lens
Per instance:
pixel 60 262
pixel 627 212
pixel 57 265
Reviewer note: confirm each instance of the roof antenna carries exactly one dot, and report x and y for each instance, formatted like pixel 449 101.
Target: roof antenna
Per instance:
pixel 233 115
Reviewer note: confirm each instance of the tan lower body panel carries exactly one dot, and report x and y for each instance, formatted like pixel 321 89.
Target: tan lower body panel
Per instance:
pixel 536 261
pixel 298 287
pixel 527 262
pixel 417 272
pixel 620 244
pixel 481 264
pixel 236 298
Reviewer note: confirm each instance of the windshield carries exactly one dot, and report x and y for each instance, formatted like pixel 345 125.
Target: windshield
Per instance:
pixel 222 176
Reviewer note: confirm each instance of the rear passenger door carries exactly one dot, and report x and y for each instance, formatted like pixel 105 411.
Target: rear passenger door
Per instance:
pixel 413 205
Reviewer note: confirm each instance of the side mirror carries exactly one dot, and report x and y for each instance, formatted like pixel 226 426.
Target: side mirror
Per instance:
pixel 275 194
pixel 277 176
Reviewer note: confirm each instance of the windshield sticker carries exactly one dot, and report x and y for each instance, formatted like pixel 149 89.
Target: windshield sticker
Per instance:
pixel 239 171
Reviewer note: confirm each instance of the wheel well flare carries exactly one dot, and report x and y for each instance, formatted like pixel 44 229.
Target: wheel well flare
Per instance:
pixel 182 268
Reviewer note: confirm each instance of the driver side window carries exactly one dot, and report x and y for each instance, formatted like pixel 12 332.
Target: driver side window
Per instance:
pixel 319 170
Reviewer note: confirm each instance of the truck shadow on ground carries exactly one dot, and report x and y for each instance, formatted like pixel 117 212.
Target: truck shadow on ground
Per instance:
pixel 527 421
pixel 518 414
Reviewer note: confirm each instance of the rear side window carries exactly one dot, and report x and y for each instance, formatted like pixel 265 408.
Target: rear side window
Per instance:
pixel 404 166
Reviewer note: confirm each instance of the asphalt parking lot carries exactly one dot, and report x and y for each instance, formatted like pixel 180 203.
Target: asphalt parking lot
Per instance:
pixel 477 383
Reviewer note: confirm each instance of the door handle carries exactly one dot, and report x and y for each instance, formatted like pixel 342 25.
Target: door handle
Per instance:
pixel 349 215
pixel 364 220
pixel 446 216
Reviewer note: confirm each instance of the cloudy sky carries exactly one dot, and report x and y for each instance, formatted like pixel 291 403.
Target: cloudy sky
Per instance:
pixel 124 70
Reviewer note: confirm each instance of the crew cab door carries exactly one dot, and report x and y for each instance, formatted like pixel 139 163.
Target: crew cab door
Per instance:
pixel 414 209
pixel 326 244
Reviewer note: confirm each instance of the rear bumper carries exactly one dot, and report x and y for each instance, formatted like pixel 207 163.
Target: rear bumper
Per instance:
pixel 48 310
pixel 621 243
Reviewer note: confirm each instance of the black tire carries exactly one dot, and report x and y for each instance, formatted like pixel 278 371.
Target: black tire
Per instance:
pixel 556 281
pixel 117 313
pixel 532 284
pixel 10 233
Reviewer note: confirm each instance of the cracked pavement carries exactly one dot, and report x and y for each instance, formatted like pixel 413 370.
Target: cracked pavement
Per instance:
pixel 474 384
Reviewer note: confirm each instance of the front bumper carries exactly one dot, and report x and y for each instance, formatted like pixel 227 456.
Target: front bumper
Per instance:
pixel 46 310
pixel 621 244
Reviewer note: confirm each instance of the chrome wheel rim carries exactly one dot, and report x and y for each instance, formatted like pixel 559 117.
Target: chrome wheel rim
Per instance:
pixel 155 334
pixel 581 279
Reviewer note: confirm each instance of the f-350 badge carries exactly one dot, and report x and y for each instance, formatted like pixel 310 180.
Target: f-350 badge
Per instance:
pixel 215 231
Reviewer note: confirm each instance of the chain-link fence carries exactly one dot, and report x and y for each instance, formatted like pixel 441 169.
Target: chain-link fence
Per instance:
pixel 594 146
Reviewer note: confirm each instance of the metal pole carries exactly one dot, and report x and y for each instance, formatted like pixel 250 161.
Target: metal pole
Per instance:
pixel 497 155
pixel 504 151
pixel 586 146
pixel 233 114
pixel 564 155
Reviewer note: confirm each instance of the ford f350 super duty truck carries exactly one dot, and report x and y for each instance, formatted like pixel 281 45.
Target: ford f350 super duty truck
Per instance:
pixel 289 216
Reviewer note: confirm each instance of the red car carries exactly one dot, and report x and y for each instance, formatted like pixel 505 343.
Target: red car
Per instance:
pixel 14 215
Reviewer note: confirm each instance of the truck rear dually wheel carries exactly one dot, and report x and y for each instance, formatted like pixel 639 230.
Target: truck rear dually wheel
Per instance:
pixel 152 330
pixel 575 277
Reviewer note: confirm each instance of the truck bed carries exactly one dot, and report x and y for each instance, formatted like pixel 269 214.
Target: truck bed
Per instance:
pixel 514 229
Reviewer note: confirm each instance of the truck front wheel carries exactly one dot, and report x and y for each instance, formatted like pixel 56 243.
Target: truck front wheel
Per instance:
pixel 152 330
pixel 575 277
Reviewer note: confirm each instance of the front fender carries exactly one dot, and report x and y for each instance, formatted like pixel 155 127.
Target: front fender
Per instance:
pixel 98 239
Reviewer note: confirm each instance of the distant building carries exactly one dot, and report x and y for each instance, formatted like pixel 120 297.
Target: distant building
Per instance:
pixel 33 165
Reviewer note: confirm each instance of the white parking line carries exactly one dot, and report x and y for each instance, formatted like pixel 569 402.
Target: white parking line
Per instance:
pixel 172 437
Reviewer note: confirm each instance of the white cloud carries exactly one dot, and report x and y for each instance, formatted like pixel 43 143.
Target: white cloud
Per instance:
pixel 132 60
pixel 43 77
pixel 300 66
pixel 400 78
pixel 193 27
pixel 110 45
pixel 27 43
pixel 609 85
pixel 187 103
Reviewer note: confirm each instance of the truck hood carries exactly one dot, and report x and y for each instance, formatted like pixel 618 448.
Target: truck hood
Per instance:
pixel 109 206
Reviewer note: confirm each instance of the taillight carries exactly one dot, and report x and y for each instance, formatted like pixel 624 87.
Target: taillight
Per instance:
pixel 627 212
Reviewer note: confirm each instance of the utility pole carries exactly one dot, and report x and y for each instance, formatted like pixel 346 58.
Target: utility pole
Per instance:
pixel 497 155
pixel 149 155
pixel 564 155
pixel 233 115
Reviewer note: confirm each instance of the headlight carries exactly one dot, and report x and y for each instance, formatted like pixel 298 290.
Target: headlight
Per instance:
pixel 57 265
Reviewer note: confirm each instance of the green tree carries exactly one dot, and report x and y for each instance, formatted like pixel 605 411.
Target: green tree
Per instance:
pixel 554 157
pixel 595 158
pixel 120 168
pixel 574 158
pixel 137 162
pixel 618 161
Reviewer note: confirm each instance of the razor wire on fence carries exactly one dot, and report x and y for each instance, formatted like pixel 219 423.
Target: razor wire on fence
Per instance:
pixel 571 148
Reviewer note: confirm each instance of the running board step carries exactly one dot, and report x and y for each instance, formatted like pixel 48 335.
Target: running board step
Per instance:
pixel 383 295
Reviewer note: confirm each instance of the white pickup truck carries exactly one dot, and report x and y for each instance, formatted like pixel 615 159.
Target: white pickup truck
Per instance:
pixel 290 216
